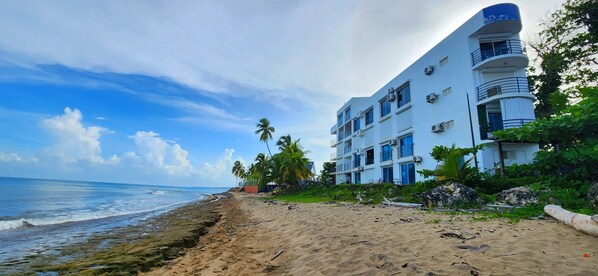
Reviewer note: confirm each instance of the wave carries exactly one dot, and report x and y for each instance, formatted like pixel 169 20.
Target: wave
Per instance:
pixel 157 192
pixel 32 222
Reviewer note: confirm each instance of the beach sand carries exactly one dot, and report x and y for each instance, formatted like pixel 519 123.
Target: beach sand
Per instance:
pixel 339 239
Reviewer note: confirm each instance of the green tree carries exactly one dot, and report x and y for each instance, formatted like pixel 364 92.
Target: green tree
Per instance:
pixel 566 52
pixel 264 130
pixel 262 169
pixel 284 142
pixel 238 170
pixel 453 166
pixel 571 139
pixel 294 166
pixel 327 168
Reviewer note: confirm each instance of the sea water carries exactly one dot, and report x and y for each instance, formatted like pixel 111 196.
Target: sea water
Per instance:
pixel 40 216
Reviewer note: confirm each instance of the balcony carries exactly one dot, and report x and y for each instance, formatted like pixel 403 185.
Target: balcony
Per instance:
pixel 487 129
pixel 505 53
pixel 333 129
pixel 505 86
pixel 343 167
pixel 333 143
pixel 333 156
pixel 347 149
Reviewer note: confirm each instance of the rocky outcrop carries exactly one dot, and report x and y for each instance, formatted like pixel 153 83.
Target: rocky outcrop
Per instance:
pixel 518 196
pixel 593 196
pixel 450 195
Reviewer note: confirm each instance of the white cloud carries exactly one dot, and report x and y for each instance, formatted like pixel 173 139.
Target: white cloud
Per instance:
pixel 220 167
pixel 73 141
pixel 162 154
pixel 13 157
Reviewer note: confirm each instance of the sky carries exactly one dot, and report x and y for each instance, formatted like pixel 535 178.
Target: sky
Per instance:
pixel 170 92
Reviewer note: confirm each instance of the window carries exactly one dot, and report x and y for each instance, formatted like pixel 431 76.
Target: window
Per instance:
pixel 369 157
pixel 406 146
pixel 356 160
pixel 384 107
pixel 348 114
pixel 386 153
pixel 357 178
pixel 369 116
pixel 491 49
pixel 387 175
pixel 407 173
pixel 356 124
pixel 403 95
pixel 340 119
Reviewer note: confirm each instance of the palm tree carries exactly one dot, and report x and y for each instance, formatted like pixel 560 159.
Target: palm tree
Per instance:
pixel 265 131
pixel 284 141
pixel 262 168
pixel 295 165
pixel 238 170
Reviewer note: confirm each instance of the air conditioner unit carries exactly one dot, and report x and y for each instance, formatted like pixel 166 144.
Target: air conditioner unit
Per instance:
pixel 429 70
pixel 391 97
pixel 431 97
pixel 358 151
pixel 494 90
pixel 360 168
pixel 361 114
pixel 417 159
pixel 360 132
pixel 393 142
pixel 438 128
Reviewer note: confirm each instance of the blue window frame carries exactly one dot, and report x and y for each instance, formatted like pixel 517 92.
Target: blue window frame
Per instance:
pixel 357 177
pixel 406 146
pixel 356 124
pixel 340 119
pixel 403 95
pixel 386 153
pixel 387 176
pixel 408 173
pixel 384 107
pixel 369 116
pixel 348 114
pixel 356 160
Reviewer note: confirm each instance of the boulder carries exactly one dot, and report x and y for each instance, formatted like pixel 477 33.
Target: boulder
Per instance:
pixel 593 195
pixel 518 196
pixel 450 195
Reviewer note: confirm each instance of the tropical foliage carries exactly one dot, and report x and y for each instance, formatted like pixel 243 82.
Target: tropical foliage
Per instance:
pixel 264 130
pixel 453 166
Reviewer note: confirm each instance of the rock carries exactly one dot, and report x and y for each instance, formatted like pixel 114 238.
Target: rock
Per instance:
pixel 518 196
pixel 450 195
pixel 593 195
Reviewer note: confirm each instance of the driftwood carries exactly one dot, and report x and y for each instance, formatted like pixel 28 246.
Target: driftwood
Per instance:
pixel 401 204
pixel 583 223
pixel 276 254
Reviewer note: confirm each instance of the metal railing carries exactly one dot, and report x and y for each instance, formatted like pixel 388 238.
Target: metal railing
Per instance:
pixel 347 149
pixel 405 150
pixel 333 156
pixel 487 129
pixel 498 48
pixel 502 86
pixel 343 167
pixel 333 143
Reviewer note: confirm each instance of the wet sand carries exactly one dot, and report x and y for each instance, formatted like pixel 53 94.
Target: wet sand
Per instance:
pixel 256 237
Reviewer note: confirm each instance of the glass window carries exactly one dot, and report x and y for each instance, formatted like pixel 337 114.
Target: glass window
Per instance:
pixel 386 153
pixel 406 146
pixel 357 178
pixel 407 173
pixel 369 116
pixel 369 156
pixel 356 124
pixel 403 95
pixel 356 160
pixel 387 175
pixel 348 114
pixel 384 107
pixel 340 119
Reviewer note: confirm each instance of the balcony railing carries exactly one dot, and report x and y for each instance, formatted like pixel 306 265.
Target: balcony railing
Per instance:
pixel 333 143
pixel 502 86
pixel 333 156
pixel 512 46
pixel 343 167
pixel 348 149
pixel 486 130
pixel 406 150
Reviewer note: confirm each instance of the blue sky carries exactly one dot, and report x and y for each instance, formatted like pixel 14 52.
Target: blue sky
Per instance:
pixel 170 92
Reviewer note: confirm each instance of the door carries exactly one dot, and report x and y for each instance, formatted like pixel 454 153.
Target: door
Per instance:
pixel 495 121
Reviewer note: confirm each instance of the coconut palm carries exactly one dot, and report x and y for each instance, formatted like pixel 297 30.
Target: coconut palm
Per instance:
pixel 265 131
pixel 284 141
pixel 262 168
pixel 238 170
pixel 294 165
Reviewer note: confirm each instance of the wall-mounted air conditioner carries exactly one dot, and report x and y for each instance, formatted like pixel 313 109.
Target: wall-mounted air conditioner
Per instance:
pixel 361 114
pixel 360 132
pixel 393 142
pixel 431 98
pixel 357 151
pixel 493 91
pixel 429 70
pixel 391 97
pixel 438 127
pixel 417 159
pixel 360 168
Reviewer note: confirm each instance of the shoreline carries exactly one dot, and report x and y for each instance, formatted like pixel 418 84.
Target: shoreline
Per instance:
pixel 264 237
pixel 131 248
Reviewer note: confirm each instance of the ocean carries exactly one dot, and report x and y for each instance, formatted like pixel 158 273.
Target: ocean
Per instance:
pixel 41 216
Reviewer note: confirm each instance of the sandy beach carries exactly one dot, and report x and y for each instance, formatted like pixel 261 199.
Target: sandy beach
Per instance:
pixel 256 236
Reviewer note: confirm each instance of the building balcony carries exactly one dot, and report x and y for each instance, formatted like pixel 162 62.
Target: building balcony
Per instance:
pixel 333 129
pixel 506 87
pixel 347 150
pixel 505 53
pixel 333 143
pixel 333 156
pixel 343 167
pixel 487 129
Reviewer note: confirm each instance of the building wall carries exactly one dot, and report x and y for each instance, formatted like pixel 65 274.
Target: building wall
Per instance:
pixel 455 81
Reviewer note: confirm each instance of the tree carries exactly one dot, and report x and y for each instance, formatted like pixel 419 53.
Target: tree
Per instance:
pixel 327 168
pixel 294 166
pixel 571 138
pixel 453 167
pixel 238 170
pixel 262 169
pixel 284 142
pixel 566 52
pixel 265 131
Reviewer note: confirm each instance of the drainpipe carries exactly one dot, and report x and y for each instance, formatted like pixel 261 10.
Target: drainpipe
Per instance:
pixel 475 157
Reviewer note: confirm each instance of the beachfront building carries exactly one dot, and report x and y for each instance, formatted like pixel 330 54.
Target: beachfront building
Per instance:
pixel 472 83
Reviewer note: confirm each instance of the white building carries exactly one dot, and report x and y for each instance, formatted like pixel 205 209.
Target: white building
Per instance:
pixel 471 83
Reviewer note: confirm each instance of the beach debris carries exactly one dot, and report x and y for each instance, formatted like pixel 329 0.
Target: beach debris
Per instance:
pixel 450 195
pixel 353 243
pixel 482 247
pixel 276 254
pixel 583 223
pixel 593 195
pixel 401 204
pixel 462 236
pixel 518 196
